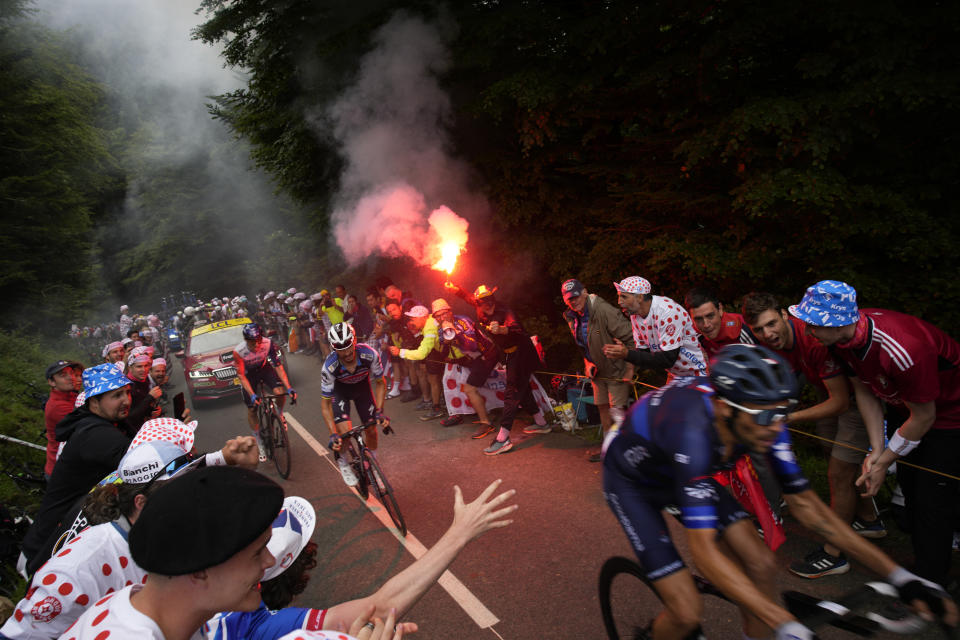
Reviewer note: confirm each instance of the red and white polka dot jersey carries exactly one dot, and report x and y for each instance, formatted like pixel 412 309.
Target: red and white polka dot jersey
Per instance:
pixel 94 564
pixel 113 618
pixel 667 327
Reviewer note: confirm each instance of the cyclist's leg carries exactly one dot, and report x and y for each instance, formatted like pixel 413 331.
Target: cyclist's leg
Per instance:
pixel 640 515
pixel 741 542
pixel 363 400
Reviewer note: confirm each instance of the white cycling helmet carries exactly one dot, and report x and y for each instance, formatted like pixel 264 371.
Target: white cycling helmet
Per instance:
pixel 291 291
pixel 300 296
pixel 269 295
pixel 341 336
pixel 189 311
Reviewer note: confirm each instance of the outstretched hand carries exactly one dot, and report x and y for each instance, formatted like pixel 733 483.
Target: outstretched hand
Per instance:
pixel 369 627
pixel 241 451
pixel 615 351
pixel 484 513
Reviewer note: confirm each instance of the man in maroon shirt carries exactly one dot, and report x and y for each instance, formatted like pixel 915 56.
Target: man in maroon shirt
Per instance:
pixel 65 383
pixel 915 368
pixel 836 420
pixel 715 327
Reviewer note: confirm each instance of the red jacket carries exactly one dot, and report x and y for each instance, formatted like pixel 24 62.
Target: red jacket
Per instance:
pixel 59 404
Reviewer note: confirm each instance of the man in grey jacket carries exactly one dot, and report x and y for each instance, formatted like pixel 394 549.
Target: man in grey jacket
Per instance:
pixel 594 322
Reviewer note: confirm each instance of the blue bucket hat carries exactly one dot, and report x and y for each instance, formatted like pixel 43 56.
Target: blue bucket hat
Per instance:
pixel 102 378
pixel 829 303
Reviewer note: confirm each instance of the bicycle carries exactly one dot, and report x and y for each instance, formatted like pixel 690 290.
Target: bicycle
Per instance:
pixel 623 587
pixel 369 473
pixel 273 430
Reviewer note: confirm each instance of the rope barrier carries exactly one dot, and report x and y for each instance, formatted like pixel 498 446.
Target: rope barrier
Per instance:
pixel 636 384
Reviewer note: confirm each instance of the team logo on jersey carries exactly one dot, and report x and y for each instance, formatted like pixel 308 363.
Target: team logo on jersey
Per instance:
pixel 637 454
pixel 783 451
pixel 681 458
pixel 701 491
pixel 46 610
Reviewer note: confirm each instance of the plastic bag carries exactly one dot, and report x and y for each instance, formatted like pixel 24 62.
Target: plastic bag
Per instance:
pixel 566 416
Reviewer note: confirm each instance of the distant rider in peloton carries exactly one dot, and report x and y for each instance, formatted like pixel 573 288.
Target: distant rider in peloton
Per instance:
pixel 257 359
pixel 350 373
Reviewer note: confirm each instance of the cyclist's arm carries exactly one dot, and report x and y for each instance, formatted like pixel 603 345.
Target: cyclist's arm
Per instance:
pixel 837 402
pixel 326 409
pixel 283 375
pixel 242 374
pixel 812 513
pixel 405 589
pixel 727 576
pixel 379 394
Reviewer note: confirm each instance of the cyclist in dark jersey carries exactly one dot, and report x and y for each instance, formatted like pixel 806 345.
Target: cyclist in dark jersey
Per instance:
pixel 665 452
pixel 352 372
pixel 257 359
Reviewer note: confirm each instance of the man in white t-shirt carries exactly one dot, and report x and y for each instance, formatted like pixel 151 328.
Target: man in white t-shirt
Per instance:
pixel 662 331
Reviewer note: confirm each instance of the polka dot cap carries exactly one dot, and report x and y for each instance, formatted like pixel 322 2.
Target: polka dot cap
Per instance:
pixel 633 284
pixel 165 429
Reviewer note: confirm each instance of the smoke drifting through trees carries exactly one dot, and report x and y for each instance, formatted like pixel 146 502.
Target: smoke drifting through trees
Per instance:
pixel 400 180
pixel 194 215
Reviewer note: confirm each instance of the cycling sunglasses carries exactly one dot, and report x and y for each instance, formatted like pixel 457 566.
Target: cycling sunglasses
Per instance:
pixel 175 467
pixel 765 417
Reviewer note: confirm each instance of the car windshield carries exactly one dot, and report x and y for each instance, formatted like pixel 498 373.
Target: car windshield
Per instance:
pixel 216 340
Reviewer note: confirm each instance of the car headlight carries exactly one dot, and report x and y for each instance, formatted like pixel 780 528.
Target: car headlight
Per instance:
pixel 201 374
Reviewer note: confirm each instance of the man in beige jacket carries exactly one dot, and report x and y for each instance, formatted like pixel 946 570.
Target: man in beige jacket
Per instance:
pixel 594 322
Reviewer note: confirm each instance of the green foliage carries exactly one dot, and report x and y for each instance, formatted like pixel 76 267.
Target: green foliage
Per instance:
pixel 23 361
pixel 55 170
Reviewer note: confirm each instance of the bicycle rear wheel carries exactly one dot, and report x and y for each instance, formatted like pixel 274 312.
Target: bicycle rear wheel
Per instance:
pixel 281 445
pixel 625 599
pixel 383 490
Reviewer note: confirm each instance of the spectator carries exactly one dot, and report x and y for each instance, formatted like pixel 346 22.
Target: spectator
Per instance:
pixel 65 380
pixel 836 420
pixel 662 332
pixel 423 326
pixel 402 387
pixel 915 368
pixel 715 327
pixel 500 325
pixel 113 353
pixel 359 316
pixel 340 291
pixel 463 345
pixel 144 399
pixel 95 438
pixel 594 322
pixel 202 539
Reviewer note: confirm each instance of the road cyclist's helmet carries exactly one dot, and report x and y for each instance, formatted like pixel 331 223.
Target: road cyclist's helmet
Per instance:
pixel 291 291
pixel 752 373
pixel 252 331
pixel 341 336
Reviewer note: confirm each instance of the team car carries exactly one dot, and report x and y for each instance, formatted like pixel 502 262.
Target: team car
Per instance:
pixel 208 361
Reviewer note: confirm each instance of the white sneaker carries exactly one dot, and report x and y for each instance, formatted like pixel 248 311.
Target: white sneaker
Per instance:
pixel 263 452
pixel 349 477
pixel 395 392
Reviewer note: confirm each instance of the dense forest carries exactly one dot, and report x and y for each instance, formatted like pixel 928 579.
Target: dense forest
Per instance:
pixel 733 144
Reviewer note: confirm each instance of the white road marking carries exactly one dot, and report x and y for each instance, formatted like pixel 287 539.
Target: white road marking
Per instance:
pixel 483 617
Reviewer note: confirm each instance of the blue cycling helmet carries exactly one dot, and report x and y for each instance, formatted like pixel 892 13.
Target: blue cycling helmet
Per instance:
pixel 252 332
pixel 751 373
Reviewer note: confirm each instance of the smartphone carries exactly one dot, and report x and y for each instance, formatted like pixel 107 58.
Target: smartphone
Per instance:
pixel 179 406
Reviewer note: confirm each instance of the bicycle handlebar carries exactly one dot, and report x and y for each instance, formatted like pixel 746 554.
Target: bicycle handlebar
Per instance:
pixel 387 429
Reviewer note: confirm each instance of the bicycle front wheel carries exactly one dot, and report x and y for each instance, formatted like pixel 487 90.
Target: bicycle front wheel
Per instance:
pixel 383 490
pixel 628 603
pixel 349 451
pixel 281 445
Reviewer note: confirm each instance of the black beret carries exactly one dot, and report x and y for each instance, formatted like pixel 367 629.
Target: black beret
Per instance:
pixel 202 519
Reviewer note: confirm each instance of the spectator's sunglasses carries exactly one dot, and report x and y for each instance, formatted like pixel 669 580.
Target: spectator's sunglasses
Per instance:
pixel 175 467
pixel 765 417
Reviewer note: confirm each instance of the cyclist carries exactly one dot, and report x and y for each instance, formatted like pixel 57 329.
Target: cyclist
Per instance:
pixel 257 359
pixel 664 453
pixel 348 374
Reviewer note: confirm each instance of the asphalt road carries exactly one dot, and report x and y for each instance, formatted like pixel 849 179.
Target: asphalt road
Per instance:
pixel 533 579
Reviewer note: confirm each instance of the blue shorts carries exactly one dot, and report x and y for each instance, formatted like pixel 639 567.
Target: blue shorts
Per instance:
pixel 360 394
pixel 640 512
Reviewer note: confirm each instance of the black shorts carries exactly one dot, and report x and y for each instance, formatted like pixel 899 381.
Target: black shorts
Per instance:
pixel 435 367
pixel 481 367
pixel 361 394
pixel 268 376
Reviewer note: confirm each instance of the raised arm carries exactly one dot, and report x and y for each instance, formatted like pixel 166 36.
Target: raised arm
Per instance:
pixel 404 589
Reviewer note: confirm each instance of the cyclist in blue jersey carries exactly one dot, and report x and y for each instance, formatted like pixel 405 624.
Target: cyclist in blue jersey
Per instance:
pixel 671 442
pixel 351 373
pixel 257 359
